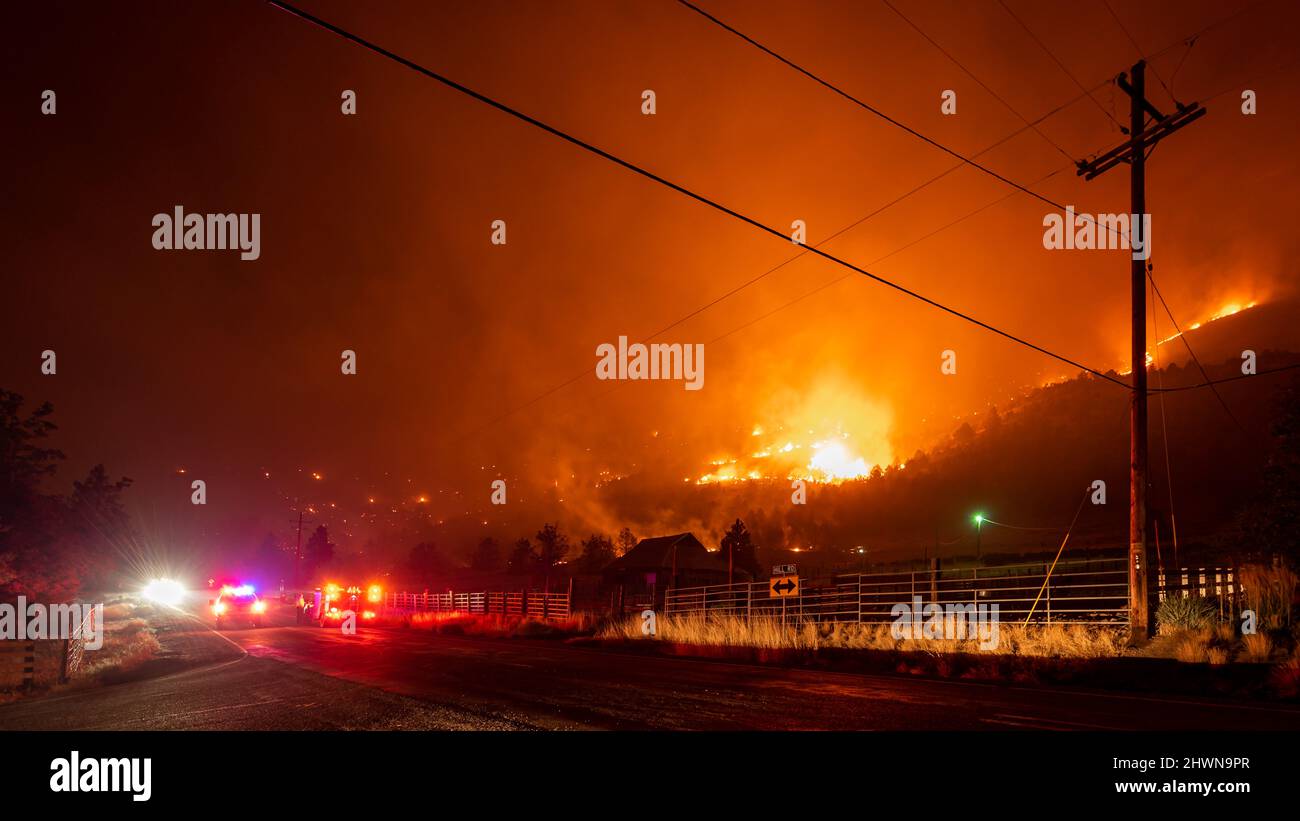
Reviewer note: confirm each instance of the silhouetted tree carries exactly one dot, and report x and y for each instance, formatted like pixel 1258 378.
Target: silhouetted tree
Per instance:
pixel 625 541
pixel 552 546
pixel 737 544
pixel 523 559
pixel 597 551
pixel 271 557
pixel 318 552
pixel 424 563
pixel 487 555
pixel 50 545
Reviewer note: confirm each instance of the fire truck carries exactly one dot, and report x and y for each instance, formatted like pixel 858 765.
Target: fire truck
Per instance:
pixel 331 601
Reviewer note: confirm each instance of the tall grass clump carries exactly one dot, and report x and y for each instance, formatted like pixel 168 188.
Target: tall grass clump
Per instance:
pixel 1270 591
pixel 1190 613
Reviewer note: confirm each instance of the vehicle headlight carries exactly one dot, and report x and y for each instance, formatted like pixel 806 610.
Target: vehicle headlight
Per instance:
pixel 164 591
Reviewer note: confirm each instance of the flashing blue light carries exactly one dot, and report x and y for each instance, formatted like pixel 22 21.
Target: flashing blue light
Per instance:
pixel 243 590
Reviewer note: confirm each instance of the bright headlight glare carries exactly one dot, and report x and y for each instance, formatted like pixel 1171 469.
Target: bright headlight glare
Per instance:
pixel 164 591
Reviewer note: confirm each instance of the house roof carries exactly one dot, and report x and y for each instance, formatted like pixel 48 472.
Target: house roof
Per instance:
pixel 657 554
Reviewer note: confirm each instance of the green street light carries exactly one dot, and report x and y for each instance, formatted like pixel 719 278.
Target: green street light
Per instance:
pixel 979 531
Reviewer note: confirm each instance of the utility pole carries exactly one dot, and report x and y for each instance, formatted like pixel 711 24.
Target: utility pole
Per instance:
pixel 1133 152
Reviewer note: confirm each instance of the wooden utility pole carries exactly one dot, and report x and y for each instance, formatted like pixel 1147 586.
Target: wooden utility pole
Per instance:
pixel 1133 152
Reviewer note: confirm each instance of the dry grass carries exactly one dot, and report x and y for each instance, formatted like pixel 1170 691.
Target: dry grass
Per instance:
pixel 118 611
pixel 1256 647
pixel 127 644
pixel 1056 641
pixel 502 626
pixel 1192 646
pixel 1286 677
pixel 1269 591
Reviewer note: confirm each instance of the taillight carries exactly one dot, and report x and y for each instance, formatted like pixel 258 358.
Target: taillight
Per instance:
pixel 219 608
pixel 259 607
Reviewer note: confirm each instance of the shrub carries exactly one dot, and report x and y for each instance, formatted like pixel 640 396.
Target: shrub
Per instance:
pixel 1191 613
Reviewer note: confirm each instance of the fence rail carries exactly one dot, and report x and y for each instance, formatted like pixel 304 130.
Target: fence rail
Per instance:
pixel 521 603
pixel 1092 592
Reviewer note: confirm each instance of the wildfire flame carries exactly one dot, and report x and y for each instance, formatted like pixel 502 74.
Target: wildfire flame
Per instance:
pixel 1231 309
pixel 844 436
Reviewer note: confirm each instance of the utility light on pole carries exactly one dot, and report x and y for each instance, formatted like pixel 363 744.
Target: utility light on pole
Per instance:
pixel 979 531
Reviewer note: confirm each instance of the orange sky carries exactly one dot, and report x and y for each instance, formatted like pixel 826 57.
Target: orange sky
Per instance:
pixel 375 228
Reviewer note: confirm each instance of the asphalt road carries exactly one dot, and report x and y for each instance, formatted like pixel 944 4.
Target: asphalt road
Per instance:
pixel 313 678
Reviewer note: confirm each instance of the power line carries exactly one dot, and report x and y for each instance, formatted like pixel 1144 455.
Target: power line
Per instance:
pixel 533 121
pixel 1164 429
pixel 818 289
pixel 916 189
pixel 877 112
pixel 981 83
pixel 1015 527
pixel 836 280
pixel 1141 53
pixel 867 106
pixel 1067 71
pixel 1085 92
pixel 1212 382
pixel 1179 333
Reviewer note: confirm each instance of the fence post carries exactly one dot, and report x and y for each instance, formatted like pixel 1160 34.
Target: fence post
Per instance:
pixel 859 598
pixel 934 580
pixel 29 666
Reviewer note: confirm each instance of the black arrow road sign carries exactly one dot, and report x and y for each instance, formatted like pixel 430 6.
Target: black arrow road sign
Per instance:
pixel 783 586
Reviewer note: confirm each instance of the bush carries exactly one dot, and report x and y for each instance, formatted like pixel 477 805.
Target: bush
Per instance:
pixel 1191 613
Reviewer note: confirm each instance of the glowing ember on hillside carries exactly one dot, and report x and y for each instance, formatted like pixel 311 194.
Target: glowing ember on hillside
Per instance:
pixel 1230 309
pixel 833 435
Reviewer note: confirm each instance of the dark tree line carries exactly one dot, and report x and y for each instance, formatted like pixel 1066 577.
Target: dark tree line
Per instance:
pixel 53 545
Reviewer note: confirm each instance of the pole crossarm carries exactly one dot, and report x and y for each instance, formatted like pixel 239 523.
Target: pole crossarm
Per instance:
pixel 1123 153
